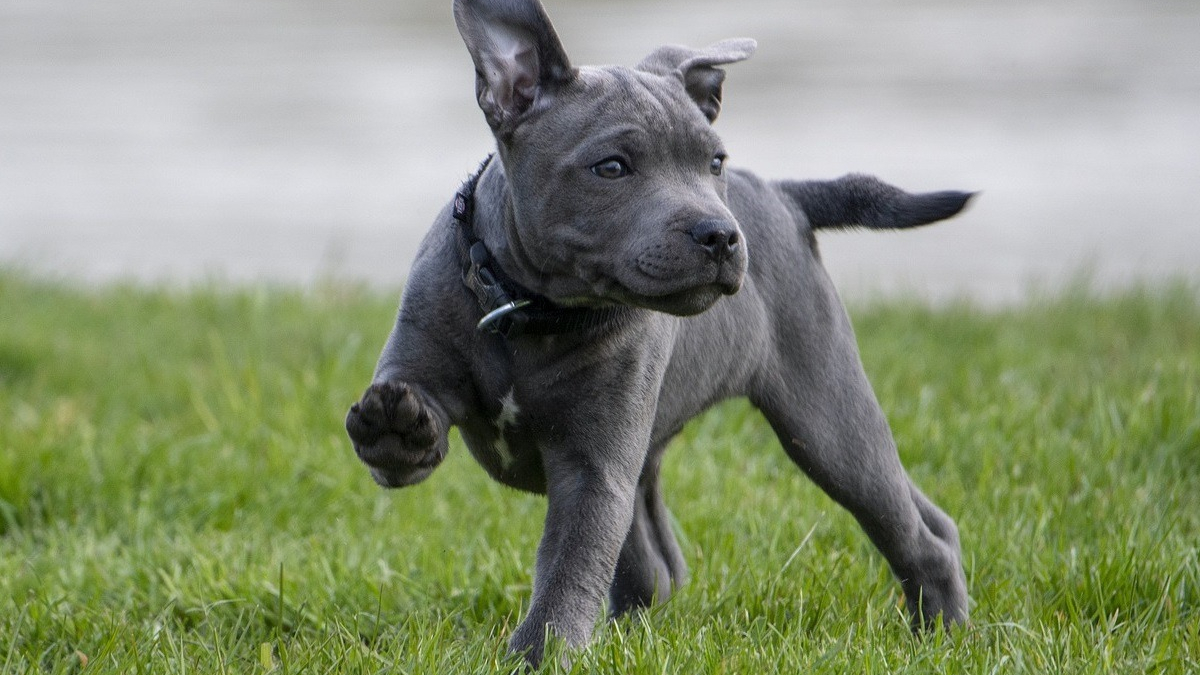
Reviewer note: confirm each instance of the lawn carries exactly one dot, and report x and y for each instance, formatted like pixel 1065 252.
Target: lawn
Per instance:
pixel 177 495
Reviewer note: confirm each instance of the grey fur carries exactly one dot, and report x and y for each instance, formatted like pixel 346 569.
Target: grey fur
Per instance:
pixel 584 417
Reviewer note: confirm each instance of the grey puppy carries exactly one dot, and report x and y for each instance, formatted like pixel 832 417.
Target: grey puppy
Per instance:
pixel 607 279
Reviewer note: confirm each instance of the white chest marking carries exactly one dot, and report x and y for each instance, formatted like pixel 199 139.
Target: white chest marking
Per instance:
pixel 506 419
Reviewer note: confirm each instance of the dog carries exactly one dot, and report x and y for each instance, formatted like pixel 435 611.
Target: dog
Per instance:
pixel 606 277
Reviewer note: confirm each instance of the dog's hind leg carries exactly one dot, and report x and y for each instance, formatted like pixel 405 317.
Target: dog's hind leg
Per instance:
pixel 817 398
pixel 650 565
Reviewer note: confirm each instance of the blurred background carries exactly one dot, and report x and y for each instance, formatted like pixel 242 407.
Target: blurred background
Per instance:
pixel 298 140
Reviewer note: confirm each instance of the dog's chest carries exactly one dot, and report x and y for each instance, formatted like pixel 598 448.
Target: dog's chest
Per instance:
pixel 506 425
pixel 503 443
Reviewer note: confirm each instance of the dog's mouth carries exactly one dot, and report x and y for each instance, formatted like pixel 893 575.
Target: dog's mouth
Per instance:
pixel 678 296
pixel 686 303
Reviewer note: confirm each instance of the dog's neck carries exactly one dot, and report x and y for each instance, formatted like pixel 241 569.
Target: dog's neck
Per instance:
pixel 509 307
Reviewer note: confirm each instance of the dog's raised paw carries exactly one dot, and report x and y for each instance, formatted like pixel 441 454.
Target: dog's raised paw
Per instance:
pixel 390 408
pixel 394 433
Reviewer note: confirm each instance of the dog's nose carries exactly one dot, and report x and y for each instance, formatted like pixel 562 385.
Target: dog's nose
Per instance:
pixel 718 237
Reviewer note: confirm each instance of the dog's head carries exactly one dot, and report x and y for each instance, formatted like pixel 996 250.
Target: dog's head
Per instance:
pixel 616 177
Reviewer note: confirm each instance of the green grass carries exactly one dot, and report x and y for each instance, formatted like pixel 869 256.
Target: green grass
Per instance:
pixel 177 496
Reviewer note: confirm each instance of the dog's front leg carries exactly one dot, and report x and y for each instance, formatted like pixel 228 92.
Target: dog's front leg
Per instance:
pixel 399 426
pixel 592 470
pixel 591 504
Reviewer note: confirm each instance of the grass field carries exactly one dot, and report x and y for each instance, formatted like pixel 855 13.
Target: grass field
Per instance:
pixel 177 496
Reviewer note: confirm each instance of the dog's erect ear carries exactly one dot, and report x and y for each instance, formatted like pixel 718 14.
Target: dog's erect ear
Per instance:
pixel 697 68
pixel 518 57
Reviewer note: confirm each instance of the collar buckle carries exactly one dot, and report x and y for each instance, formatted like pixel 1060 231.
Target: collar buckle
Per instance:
pixel 495 320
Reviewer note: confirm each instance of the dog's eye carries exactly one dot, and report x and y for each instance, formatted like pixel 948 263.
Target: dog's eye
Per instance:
pixel 717 165
pixel 611 168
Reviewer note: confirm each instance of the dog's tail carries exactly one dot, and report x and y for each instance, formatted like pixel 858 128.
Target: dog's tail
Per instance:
pixel 856 200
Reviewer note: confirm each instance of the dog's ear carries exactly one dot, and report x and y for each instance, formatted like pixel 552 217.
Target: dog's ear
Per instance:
pixel 697 68
pixel 518 57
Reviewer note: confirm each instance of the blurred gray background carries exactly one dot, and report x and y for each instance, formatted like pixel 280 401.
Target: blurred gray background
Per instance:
pixel 296 140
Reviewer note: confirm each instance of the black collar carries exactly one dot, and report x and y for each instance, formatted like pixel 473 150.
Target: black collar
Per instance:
pixel 508 308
